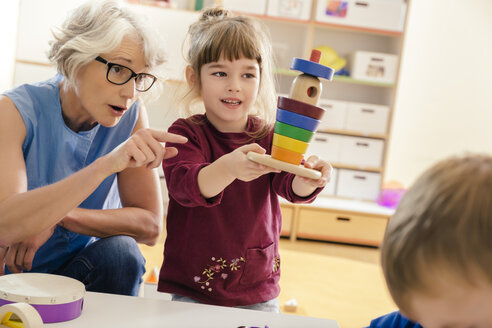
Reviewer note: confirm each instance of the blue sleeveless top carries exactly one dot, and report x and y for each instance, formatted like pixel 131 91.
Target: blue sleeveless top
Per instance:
pixel 52 152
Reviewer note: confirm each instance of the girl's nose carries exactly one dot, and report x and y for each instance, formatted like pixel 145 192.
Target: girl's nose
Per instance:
pixel 234 85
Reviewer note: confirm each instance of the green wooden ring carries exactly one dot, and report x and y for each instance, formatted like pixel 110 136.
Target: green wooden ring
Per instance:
pixel 293 132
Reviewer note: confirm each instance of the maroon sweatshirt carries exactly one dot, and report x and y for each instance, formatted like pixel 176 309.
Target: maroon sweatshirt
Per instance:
pixel 222 250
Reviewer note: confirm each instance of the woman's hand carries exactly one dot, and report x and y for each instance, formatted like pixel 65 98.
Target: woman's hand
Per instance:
pixel 241 168
pixel 20 255
pixel 144 148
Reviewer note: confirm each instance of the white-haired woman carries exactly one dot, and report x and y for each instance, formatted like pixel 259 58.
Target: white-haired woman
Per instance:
pixel 77 157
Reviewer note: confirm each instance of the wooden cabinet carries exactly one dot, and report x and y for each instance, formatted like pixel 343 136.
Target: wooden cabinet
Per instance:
pixel 337 220
pixel 341 226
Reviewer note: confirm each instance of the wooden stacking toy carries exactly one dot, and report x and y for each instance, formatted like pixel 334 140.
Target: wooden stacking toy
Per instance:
pixel 297 118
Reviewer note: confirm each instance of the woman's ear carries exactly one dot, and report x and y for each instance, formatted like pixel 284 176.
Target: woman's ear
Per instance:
pixel 190 76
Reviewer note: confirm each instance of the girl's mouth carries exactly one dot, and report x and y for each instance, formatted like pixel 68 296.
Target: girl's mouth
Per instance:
pixel 231 102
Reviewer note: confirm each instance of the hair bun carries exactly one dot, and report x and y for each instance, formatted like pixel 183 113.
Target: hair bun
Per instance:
pixel 215 13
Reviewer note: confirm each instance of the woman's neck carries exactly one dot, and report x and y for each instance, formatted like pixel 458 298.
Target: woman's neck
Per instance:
pixel 75 116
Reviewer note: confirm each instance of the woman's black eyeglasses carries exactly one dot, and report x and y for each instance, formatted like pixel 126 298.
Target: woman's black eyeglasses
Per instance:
pixel 119 74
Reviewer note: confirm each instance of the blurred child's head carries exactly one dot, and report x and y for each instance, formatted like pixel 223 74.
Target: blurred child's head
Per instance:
pixel 220 35
pixel 437 250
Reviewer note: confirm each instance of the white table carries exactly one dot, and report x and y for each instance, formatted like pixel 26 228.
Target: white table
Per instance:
pixel 106 310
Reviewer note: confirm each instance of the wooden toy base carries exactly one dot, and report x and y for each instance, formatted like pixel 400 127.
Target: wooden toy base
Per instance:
pixel 291 168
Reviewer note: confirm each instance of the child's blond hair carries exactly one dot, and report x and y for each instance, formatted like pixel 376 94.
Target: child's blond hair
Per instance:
pixel 442 229
pixel 218 33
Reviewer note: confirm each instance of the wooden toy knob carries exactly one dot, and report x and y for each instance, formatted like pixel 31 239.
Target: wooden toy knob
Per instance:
pixel 306 88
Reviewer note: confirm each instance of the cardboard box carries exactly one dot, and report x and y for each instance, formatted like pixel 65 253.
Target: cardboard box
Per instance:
pixel 373 66
pixel 295 9
pixel 373 14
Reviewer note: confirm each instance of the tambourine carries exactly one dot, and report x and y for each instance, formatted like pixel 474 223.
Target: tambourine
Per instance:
pixel 56 298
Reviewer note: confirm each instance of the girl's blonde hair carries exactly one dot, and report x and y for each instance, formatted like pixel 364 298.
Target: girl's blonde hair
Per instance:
pixel 218 33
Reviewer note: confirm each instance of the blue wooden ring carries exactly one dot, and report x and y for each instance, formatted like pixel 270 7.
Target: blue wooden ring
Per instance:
pixel 297 120
pixel 312 68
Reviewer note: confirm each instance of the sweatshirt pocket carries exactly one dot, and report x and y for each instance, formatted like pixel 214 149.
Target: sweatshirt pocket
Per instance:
pixel 259 265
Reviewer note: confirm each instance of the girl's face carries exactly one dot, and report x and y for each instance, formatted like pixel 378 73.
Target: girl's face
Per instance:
pixel 98 100
pixel 229 90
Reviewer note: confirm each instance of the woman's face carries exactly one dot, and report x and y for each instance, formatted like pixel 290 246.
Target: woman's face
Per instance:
pixel 100 100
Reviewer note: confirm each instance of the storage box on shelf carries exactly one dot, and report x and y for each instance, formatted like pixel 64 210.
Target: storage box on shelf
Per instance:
pixel 373 66
pixel 295 9
pixel 376 14
pixel 367 118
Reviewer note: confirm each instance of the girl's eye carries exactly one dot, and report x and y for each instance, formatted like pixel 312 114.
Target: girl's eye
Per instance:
pixel 249 76
pixel 219 74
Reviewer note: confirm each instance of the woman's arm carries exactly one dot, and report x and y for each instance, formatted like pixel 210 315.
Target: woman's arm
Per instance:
pixel 142 212
pixel 22 213
pixel 25 213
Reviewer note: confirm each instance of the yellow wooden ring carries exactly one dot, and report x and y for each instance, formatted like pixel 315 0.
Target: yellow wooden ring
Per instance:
pixel 285 155
pixel 289 143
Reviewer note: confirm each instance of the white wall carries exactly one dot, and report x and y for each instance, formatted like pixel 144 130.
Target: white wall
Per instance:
pixel 444 103
pixel 8 31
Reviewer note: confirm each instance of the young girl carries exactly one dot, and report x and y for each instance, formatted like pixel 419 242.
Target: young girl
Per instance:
pixel 224 220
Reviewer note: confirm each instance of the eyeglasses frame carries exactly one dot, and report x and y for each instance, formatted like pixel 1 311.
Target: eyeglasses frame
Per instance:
pixel 134 75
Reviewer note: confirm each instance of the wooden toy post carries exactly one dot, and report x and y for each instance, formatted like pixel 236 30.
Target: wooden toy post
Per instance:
pixel 297 119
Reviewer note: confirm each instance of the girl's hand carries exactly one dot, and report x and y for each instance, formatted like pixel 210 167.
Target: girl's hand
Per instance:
pixel 304 187
pixel 241 168
pixel 144 148
pixel 314 162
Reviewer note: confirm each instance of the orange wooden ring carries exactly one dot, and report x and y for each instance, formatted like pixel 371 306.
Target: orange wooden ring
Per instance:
pixel 285 155
pixel 300 108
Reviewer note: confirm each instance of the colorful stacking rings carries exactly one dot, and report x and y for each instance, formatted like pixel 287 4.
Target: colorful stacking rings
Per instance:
pixel 295 126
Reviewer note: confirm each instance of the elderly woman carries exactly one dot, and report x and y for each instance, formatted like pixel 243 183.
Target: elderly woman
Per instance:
pixel 78 189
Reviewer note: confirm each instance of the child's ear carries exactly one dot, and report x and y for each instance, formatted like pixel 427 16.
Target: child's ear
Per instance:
pixel 190 76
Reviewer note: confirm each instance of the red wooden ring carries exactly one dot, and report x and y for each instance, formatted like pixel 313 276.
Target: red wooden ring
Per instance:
pixel 300 108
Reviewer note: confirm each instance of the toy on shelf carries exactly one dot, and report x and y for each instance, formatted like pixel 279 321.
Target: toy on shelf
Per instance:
pixel 329 57
pixel 297 118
